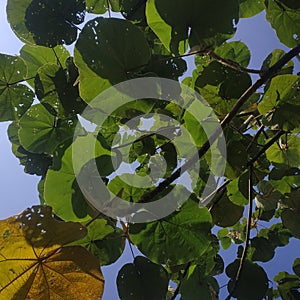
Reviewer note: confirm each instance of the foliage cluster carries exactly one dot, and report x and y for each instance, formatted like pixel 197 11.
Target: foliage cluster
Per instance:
pixel 55 250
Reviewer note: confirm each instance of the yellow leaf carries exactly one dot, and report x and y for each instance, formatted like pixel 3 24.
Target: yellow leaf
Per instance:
pixel 34 264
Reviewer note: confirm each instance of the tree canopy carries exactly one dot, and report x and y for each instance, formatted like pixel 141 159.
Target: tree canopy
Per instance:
pixel 131 150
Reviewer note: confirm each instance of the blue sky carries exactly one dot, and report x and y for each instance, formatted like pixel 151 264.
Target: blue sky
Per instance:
pixel 19 191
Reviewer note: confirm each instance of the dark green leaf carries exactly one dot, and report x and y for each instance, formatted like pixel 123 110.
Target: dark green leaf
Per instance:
pixel 37 56
pixel 62 191
pixel 225 213
pixel 251 273
pixel 288 285
pixel 111 48
pixel 53 22
pixel 172 26
pixel 188 229
pixel 56 91
pixel 103 241
pixel 142 279
pixel 296 266
pixel 287 152
pixel 194 281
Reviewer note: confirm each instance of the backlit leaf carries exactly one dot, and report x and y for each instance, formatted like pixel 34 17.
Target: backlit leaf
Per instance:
pixel 285 21
pixel 15 98
pixel 189 229
pixel 41 131
pixel 191 22
pixel 34 263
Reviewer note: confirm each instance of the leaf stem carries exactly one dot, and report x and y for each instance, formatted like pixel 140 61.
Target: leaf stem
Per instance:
pixel 248 228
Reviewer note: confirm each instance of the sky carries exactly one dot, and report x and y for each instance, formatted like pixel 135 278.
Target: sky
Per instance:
pixel 19 190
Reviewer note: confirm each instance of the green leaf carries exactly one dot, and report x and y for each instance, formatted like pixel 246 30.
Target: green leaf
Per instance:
pixel 223 235
pixel 16 19
pixel 53 22
pixel 225 213
pixel 61 189
pixel 41 132
pixel 296 266
pixel 235 51
pixel 103 241
pixel 287 152
pixel 220 85
pixel 15 98
pixel 283 178
pixel 112 49
pixel 142 279
pixel 277 235
pixel 172 26
pixel 285 21
pixel 37 56
pixel 251 272
pixel 236 154
pixel 267 199
pixel 134 10
pixel 261 249
pixel 288 285
pixel 237 190
pixel 274 57
pixel 281 102
pixel 250 8
pixel 188 229
pixel 101 6
pixel 294 4
pixel 207 287
pixel 283 89
pixel 55 89
pixel 291 212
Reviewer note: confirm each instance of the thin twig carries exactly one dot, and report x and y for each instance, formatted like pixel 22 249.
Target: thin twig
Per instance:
pixel 220 188
pixel 248 228
pixel 57 58
pixel 257 134
pixel 108 8
pixel 267 75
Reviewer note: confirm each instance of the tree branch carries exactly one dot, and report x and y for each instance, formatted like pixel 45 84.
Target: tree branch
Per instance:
pixel 248 228
pixel 265 76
